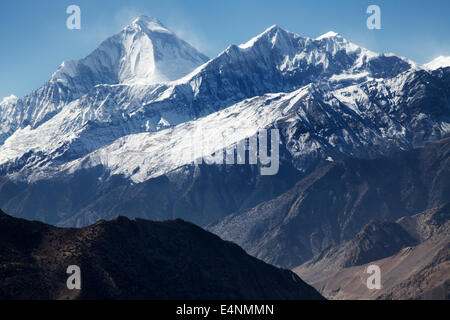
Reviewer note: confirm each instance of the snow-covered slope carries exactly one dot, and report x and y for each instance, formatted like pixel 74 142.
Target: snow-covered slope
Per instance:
pixel 439 62
pixel 365 120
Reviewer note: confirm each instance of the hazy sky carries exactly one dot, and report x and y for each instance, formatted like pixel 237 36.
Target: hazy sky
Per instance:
pixel 34 38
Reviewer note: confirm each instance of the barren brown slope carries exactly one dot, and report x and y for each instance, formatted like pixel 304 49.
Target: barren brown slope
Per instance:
pixel 331 205
pixel 415 272
pixel 139 259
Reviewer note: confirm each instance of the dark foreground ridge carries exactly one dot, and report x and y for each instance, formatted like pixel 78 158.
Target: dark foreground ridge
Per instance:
pixel 135 259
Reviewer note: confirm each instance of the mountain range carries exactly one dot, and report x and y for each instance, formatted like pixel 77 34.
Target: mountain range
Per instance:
pixel 328 97
pixel 124 131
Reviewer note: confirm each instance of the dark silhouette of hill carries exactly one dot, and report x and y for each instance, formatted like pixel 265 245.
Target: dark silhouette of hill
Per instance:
pixel 135 259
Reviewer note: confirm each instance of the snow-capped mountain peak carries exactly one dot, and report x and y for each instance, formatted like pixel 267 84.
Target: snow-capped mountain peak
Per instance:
pixel 268 34
pixel 335 42
pixel 330 55
pixel 149 24
pixel 143 52
pixel 439 62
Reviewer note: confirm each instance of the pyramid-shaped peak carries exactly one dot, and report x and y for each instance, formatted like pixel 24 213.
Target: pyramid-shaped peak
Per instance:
pixel 273 27
pixel 147 19
pixel 144 52
pixel 270 34
pixel 149 24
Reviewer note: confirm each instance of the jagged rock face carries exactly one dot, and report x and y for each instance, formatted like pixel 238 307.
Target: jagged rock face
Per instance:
pixel 139 259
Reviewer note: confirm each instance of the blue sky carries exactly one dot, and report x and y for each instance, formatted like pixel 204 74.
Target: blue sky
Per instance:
pixel 34 38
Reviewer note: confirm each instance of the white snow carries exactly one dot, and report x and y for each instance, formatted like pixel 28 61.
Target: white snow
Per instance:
pixel 349 76
pixel 9 100
pixel 439 62
pixel 156 153
pixel 352 96
pixel 145 52
pixel 150 23
pixel 329 34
